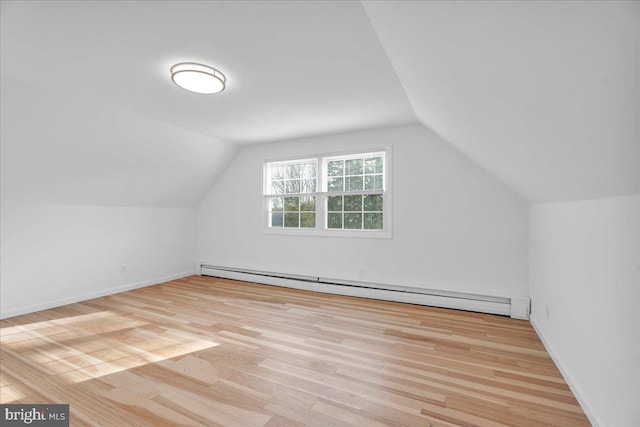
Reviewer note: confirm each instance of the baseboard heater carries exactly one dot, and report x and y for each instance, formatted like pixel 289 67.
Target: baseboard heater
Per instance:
pixel 516 306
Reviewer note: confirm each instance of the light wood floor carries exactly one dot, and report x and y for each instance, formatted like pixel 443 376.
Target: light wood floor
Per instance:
pixel 207 351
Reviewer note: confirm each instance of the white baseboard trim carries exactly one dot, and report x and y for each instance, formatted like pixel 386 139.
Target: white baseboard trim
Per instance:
pixel 595 421
pixel 5 314
pixel 307 283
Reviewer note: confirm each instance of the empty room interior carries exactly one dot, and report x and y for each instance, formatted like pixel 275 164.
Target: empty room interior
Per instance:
pixel 320 213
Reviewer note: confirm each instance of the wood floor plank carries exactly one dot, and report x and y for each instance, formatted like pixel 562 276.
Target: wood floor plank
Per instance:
pixel 217 352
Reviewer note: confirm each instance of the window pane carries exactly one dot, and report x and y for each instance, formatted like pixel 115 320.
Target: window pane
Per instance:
pixel 378 182
pixel 307 220
pixel 276 219
pixel 353 221
pixel 309 170
pixel 373 182
pixel 370 165
pixel 373 165
pixel 369 182
pixel 308 204
pixel 334 220
pixel 373 221
pixel 292 220
pixel 292 187
pixel 334 204
pixel 291 203
pixel 352 203
pixel 353 183
pixel 353 167
pixel 276 204
pixel 277 172
pixel 335 184
pixel 373 202
pixel 277 187
pixel 335 168
pixel 294 170
pixel 308 185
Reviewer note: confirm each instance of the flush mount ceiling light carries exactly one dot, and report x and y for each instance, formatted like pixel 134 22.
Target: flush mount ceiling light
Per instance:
pixel 198 78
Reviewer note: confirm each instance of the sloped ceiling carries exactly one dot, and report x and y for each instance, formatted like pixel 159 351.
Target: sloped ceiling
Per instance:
pixel 293 68
pixel 64 148
pixel 543 95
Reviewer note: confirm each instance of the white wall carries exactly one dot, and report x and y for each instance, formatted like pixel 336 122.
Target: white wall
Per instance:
pixel 585 270
pixel 455 227
pixel 53 255
pixel 86 188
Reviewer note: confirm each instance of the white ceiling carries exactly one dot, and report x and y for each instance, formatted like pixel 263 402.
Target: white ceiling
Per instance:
pixel 543 95
pixel 294 68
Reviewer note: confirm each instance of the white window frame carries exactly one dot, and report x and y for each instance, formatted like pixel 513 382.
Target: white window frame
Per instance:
pixel 322 195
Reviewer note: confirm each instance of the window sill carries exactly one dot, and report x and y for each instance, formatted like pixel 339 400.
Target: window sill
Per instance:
pixel 366 234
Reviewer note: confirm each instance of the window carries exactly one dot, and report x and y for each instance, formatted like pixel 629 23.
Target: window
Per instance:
pixel 292 189
pixel 328 194
pixel 355 192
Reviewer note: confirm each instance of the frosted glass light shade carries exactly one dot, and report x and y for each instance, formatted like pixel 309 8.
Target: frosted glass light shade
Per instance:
pixel 198 78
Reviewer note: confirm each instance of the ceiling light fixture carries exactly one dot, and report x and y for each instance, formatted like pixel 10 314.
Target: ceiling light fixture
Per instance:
pixel 198 78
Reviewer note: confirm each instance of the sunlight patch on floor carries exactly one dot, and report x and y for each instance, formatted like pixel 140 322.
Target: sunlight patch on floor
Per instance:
pixel 9 394
pixel 90 346
pixel 49 327
pixel 99 370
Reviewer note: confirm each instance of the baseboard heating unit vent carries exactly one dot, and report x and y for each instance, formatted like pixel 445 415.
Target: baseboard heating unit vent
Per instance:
pixel 516 306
